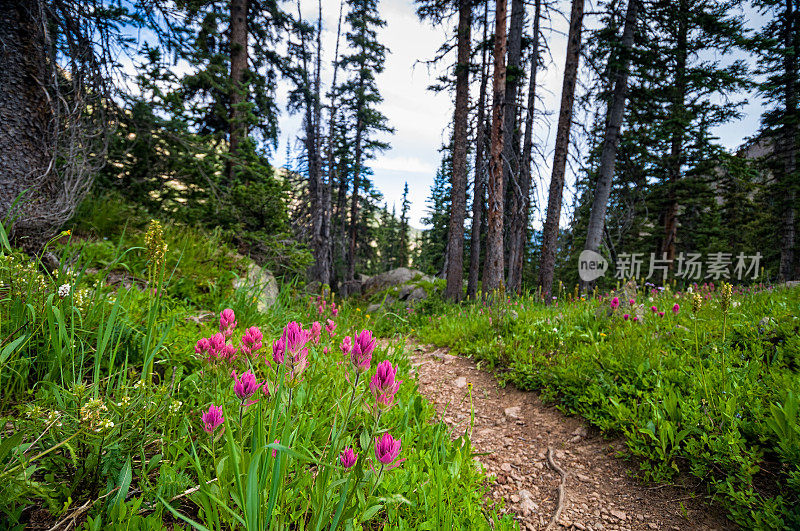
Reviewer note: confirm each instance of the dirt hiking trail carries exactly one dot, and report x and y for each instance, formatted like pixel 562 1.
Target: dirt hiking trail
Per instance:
pixel 516 429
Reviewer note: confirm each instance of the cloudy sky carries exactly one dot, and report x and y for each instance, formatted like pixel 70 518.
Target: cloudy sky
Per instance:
pixel 420 117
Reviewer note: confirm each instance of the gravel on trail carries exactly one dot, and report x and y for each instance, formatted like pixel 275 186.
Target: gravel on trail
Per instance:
pixel 515 429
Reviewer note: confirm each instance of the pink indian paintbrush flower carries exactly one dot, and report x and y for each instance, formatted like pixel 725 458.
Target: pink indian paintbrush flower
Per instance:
pixel 661 314
pixel 212 418
pixel 384 384
pixel 216 348
pixel 299 364
pixel 251 340
pixel 632 302
pixel 334 309
pixel 654 309
pixel 635 318
pixel 615 303
pixel 227 322
pixel 363 346
pixel 348 457
pixel 387 449
pixel 626 316
pixel 676 308
pixel 346 346
pixel 330 327
pixel 275 450
pixel 246 385
pixel 294 338
pixel 278 351
pixel 316 332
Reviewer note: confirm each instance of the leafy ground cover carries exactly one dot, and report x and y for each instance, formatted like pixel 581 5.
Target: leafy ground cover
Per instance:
pixel 702 382
pixel 169 401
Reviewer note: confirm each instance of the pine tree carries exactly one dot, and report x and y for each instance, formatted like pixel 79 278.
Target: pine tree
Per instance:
pixel 361 97
pixel 403 251
pixel 433 244
pixel 779 49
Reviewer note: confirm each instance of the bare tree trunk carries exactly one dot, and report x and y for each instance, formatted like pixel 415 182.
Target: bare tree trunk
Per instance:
pixel 238 51
pixel 458 189
pixel 550 231
pixel 479 190
pixel 789 141
pixel 351 255
pixel 675 161
pixel 494 267
pixel 614 116
pixel 519 221
pixel 332 170
pixel 514 76
pixel 320 269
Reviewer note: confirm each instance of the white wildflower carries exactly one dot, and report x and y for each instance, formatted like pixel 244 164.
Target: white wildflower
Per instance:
pixel 64 290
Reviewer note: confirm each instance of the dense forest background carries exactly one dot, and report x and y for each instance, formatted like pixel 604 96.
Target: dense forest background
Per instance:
pixel 172 105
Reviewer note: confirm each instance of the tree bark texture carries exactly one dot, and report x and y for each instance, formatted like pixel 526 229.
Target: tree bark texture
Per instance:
pixel 238 96
pixel 518 233
pixel 458 189
pixel 479 185
pixel 494 265
pixel 550 231
pixel 615 114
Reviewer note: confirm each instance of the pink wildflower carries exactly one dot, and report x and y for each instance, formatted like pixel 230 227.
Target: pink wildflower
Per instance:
pixel 632 302
pixel 212 418
pixel 227 322
pixel 245 385
pixel 615 303
pixel 635 319
pixel 654 309
pixel 661 314
pixel 387 449
pixel 316 331
pixel 330 327
pixel 251 340
pixel 676 308
pixel 346 346
pixel 348 458
pixel 626 316
pixel 384 385
pixel 363 346
pixel 275 450
pixel 278 351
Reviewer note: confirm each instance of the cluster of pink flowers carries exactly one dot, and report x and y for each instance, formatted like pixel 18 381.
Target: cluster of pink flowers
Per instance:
pixel 219 348
pixel 323 307
pixel 216 348
pixel 615 303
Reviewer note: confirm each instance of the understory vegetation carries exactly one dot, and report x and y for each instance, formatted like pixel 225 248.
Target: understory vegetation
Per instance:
pixel 701 382
pixel 141 388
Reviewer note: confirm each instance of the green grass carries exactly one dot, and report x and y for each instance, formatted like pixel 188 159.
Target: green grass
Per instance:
pixel 712 395
pixel 89 427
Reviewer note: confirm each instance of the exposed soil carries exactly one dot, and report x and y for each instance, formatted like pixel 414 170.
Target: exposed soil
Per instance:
pixel 515 430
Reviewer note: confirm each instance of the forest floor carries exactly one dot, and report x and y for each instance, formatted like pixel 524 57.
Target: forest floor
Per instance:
pixel 513 430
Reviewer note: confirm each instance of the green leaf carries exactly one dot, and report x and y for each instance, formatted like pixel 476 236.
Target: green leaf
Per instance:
pixel 123 482
pixel 11 347
pixel 372 511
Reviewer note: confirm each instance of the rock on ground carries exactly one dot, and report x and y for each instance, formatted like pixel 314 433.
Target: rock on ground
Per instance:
pixel 262 282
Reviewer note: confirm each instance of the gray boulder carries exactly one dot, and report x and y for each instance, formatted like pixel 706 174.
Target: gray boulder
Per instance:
pixel 395 277
pixel 261 282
